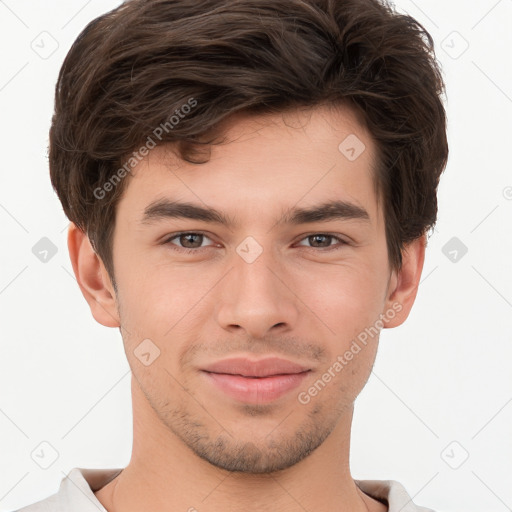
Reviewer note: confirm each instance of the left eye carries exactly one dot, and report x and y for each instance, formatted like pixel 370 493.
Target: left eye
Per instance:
pixel 324 240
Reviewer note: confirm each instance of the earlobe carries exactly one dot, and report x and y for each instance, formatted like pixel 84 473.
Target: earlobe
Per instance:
pixel 92 278
pixel 404 284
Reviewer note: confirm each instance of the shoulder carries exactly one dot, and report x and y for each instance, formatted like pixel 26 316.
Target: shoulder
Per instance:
pixel 51 504
pixel 391 492
pixel 76 492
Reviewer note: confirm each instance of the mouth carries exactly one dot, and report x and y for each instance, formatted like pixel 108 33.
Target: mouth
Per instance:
pixel 255 382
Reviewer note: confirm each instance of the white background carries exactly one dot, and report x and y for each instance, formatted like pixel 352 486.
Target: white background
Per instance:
pixel 442 377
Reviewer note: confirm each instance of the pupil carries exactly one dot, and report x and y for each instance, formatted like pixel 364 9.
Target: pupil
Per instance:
pixel 189 238
pixel 319 238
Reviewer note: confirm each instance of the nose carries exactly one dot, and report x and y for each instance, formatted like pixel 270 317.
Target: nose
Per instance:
pixel 257 297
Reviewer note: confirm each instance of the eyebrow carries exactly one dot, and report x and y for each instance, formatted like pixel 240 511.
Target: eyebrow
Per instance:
pixel 331 210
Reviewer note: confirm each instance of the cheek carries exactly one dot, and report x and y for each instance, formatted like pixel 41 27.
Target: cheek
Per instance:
pixel 346 297
pixel 348 300
pixel 151 285
pixel 166 305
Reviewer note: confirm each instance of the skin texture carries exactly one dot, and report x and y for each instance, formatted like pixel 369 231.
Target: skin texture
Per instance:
pixel 195 448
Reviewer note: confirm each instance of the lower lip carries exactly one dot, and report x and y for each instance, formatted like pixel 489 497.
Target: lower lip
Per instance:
pixel 256 390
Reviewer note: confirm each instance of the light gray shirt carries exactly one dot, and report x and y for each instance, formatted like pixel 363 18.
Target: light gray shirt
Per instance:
pixel 76 493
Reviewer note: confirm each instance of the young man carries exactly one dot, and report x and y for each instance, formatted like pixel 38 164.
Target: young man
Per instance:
pixel 249 186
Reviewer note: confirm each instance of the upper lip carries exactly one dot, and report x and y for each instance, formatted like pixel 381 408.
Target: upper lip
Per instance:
pixel 260 368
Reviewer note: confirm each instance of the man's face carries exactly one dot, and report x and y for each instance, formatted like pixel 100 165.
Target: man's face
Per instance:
pixel 269 284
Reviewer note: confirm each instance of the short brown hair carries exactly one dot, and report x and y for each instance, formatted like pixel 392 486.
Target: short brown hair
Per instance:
pixel 133 67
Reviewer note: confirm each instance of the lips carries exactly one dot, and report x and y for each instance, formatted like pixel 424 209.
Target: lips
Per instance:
pixel 262 368
pixel 255 382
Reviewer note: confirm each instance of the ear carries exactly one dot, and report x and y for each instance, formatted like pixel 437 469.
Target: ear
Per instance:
pixel 403 284
pixel 92 278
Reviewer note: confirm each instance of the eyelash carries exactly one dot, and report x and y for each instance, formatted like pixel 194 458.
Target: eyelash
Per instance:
pixel 186 250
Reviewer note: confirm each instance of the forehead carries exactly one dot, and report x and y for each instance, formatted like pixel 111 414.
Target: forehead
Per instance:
pixel 266 163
